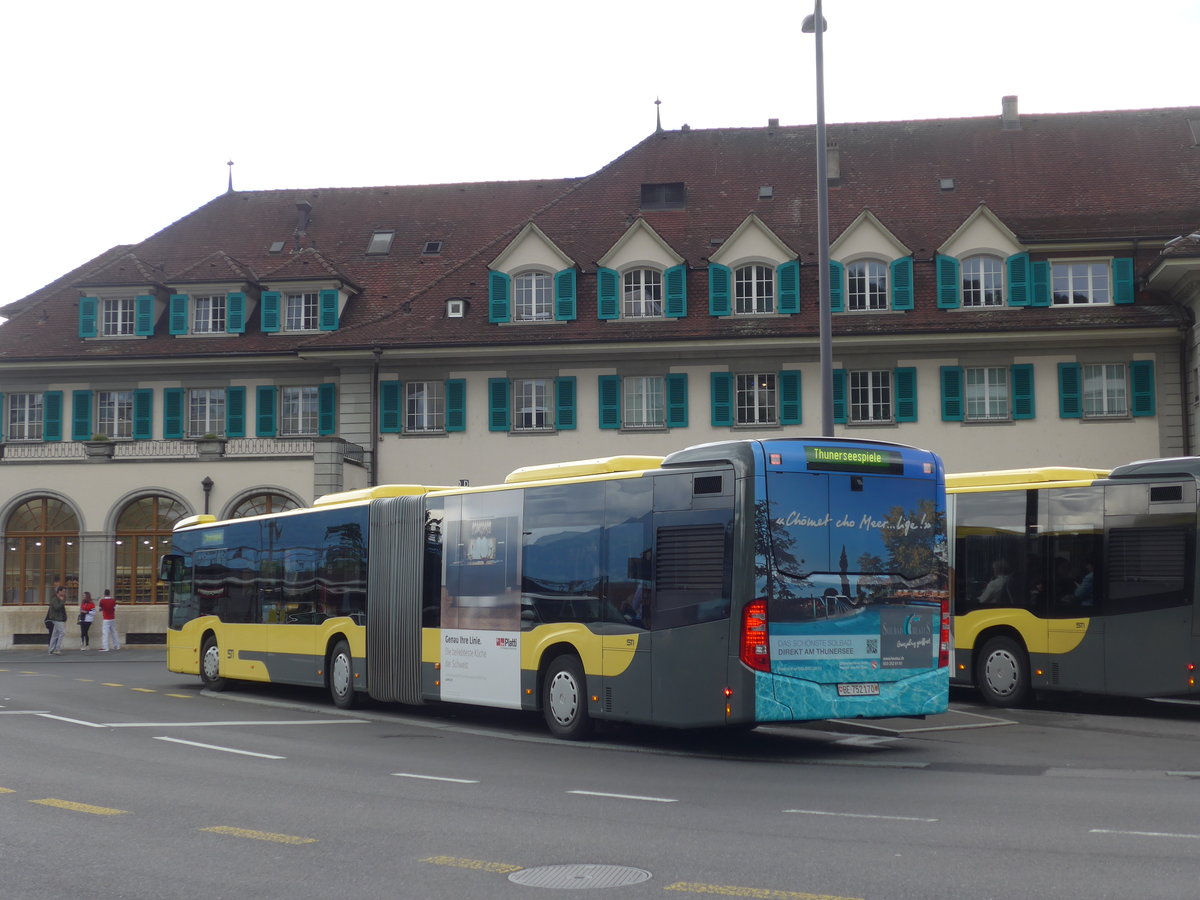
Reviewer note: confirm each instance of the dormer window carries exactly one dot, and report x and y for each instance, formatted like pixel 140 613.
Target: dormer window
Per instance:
pixel 533 296
pixel 381 243
pixel 456 308
pixel 208 314
pixel 116 316
pixel 431 248
pixel 668 195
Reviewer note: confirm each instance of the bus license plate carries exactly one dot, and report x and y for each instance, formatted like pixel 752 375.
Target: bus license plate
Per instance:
pixel 859 689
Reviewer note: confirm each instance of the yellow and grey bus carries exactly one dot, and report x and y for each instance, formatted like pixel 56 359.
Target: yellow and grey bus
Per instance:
pixel 1076 580
pixel 727 584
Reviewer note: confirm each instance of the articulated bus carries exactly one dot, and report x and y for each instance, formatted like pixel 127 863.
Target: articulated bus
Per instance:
pixel 1076 580
pixel 727 584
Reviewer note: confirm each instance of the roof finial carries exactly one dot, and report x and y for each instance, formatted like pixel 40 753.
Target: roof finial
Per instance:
pixel 657 116
pixel 229 190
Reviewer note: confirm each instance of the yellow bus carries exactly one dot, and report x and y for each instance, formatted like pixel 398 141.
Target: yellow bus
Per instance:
pixel 1073 579
pixel 726 584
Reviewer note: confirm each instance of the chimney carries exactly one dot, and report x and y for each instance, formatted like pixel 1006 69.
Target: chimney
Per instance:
pixel 303 211
pixel 833 162
pixel 1009 119
pixel 772 123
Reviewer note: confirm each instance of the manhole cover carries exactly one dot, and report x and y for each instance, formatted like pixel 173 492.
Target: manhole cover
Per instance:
pixel 579 875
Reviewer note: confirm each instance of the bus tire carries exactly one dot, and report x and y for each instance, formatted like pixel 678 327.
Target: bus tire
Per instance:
pixel 564 699
pixel 1002 673
pixel 210 665
pixel 341 677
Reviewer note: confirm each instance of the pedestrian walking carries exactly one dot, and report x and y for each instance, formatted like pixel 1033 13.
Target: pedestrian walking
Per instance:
pixel 87 613
pixel 56 615
pixel 108 615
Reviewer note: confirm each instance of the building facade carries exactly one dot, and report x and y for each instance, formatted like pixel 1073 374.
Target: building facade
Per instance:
pixel 1006 290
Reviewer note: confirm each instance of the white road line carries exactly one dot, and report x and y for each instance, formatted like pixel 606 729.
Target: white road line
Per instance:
pixel 23 712
pixel 208 724
pixel 1166 834
pixel 624 796
pixel 436 778
pixel 222 749
pixel 817 812
pixel 72 721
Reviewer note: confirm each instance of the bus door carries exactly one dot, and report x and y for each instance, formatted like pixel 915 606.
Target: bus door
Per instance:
pixel 693 577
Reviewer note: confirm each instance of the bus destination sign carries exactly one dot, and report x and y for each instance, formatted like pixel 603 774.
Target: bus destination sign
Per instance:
pixel 854 459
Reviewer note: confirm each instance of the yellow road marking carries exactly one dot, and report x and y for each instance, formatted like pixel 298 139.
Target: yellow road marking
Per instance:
pixel 7 791
pixel 85 679
pixel 144 690
pixel 111 684
pixel 731 890
pixel 260 835
pixel 480 864
pixel 81 807
pixel 181 696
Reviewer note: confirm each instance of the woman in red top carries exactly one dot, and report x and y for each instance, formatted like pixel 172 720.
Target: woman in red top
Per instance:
pixel 87 612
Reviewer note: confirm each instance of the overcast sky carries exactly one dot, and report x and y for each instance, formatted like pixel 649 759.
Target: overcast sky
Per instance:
pixel 119 116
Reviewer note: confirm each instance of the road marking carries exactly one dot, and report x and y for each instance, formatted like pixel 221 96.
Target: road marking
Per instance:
pixel 181 696
pixel 111 684
pixel 88 680
pixel 7 790
pixel 23 712
pixel 260 835
pixel 72 721
pixel 624 796
pixel 222 749
pixel 732 890
pixel 479 864
pixel 144 690
pixel 224 724
pixel 1166 834
pixel 817 812
pixel 436 778
pixel 81 807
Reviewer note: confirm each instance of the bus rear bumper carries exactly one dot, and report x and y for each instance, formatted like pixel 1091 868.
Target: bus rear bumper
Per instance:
pixel 783 699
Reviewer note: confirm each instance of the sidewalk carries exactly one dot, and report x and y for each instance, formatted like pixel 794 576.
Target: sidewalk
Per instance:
pixel 30 654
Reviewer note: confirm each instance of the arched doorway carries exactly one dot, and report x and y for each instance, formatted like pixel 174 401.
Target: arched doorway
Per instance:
pixel 41 551
pixel 143 535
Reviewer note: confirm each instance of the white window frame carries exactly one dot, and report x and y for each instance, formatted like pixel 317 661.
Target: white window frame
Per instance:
pixel 117 316
pixel 206 412
pixel 867 285
pixel 114 414
pixel 208 314
pixel 643 401
pixel 871 396
pixel 986 394
pixel 533 297
pixel 756 398
pixel 532 404
pixel 302 311
pixel 1081 282
pixel 641 294
pixel 983 280
pixel 424 406
pixel 754 289
pixel 25 417
pixel 1105 390
pixel 299 411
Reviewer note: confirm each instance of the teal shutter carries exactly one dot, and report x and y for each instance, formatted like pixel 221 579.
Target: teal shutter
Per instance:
pixel 498 288
pixel 265 397
pixel 718 290
pixel 235 313
pixel 1022 391
pixel 677 400
pixel 328 311
pixel 1070 391
pixel 675 288
pixel 269 311
pixel 902 283
pixel 498 394
pixel 390 406
pixel 177 317
pixel 52 410
pixel 906 394
pixel 456 404
pixel 143 315
pixel 564 295
pixel 788 278
pixel 952 393
pixel 235 412
pixel 608 390
pixel 949 284
pixel 81 415
pixel 1039 283
pixel 837 280
pixel 1123 286
pixel 564 399
pixel 839 396
pixel 721 384
pixel 608 294
pixel 88 316
pixel 143 414
pixel 1018 279
pixel 1141 381
pixel 790 400
pixel 327 408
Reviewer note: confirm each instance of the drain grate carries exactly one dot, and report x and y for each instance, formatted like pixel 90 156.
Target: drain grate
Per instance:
pixel 579 875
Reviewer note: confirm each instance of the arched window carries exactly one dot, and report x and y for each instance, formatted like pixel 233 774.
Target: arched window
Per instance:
pixel 261 504
pixel 41 551
pixel 533 295
pixel 642 295
pixel 754 289
pixel 143 535
pixel 866 285
pixel 983 281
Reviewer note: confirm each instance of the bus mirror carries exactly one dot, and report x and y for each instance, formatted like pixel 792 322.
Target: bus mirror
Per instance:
pixel 169 566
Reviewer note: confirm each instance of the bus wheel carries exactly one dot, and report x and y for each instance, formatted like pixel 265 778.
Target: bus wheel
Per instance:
pixel 341 677
pixel 210 665
pixel 1002 673
pixel 564 699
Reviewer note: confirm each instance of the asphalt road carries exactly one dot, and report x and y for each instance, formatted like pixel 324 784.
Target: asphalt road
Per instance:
pixel 119 779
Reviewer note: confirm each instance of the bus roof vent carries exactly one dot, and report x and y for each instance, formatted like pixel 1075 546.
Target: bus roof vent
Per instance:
pixel 605 465
pixel 1178 466
pixel 374 493
pixel 1017 477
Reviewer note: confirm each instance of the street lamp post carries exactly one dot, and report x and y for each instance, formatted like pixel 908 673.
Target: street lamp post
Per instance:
pixel 826 318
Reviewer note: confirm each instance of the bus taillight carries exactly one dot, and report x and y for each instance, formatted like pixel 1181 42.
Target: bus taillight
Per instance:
pixel 944 645
pixel 754 636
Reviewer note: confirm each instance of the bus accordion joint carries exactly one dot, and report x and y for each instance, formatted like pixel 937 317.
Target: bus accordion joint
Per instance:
pixel 754 636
